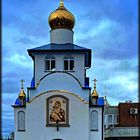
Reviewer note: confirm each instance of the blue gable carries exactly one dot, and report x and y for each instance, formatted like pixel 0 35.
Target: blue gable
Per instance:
pixel 100 101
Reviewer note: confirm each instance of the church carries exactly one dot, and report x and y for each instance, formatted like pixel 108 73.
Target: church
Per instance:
pixel 59 103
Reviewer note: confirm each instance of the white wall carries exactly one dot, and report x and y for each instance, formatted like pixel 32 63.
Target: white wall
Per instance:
pixel 60 81
pixel 36 120
pixel 59 57
pixel 19 135
pixel 96 135
pixel 61 36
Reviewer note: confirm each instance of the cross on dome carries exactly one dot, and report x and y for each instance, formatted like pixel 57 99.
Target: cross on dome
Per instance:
pixel 22 81
pixel 61 1
pixel 94 83
pixel 61 4
pixel 22 94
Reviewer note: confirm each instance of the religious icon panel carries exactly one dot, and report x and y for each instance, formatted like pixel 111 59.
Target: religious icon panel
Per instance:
pixel 57 111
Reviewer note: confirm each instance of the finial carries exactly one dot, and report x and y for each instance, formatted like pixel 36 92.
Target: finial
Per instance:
pixel 22 81
pixel 95 83
pixel 105 99
pixel 61 3
pixel 105 90
pixel 94 94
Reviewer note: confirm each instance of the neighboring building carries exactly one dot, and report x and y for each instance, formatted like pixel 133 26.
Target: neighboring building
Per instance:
pixel 59 104
pixel 122 122
pixel 111 117
pixel 129 114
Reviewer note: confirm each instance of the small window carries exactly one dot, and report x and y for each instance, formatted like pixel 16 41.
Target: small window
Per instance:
pixel 105 119
pixel 110 119
pixel 49 63
pixel 94 120
pixel 115 119
pixel 21 121
pixel 68 63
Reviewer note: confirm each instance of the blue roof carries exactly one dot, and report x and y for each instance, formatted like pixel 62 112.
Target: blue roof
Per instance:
pixel 68 47
pixel 52 46
pixel 18 102
pixel 100 101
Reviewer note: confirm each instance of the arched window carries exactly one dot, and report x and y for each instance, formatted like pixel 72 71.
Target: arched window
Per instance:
pixel 21 121
pixel 49 63
pixel 68 63
pixel 94 120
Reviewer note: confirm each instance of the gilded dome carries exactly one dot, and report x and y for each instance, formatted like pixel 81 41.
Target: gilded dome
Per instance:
pixel 61 18
pixel 94 94
pixel 22 94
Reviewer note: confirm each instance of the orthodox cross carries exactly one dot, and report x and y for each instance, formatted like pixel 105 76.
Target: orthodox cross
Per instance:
pixel 94 83
pixel 22 81
pixel 61 3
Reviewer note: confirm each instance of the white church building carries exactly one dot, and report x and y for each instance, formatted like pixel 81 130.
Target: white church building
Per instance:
pixel 59 104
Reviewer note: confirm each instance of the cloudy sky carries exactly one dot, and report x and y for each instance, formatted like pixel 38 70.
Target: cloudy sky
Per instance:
pixel 108 27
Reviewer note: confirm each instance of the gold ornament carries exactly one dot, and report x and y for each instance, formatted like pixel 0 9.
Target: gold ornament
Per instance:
pixel 61 18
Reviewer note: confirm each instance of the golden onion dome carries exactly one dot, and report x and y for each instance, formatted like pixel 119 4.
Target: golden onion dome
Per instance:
pixel 94 93
pixel 22 94
pixel 61 18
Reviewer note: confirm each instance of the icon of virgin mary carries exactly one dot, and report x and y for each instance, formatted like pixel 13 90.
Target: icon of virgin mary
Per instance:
pixel 57 113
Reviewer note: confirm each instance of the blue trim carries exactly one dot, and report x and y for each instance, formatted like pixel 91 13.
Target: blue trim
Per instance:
pixel 18 102
pixel 33 82
pixel 27 99
pixel 86 81
pixel 100 101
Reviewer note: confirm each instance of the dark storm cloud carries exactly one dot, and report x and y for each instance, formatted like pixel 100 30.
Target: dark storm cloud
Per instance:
pixel 114 44
pixel 7 113
pixel 11 80
pixel 118 10
pixel 117 40
pixel 25 41
pixel 26 17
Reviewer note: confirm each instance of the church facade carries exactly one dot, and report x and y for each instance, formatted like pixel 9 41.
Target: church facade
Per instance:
pixel 59 104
